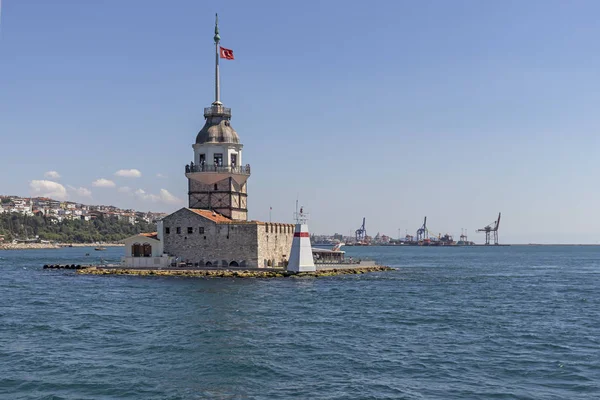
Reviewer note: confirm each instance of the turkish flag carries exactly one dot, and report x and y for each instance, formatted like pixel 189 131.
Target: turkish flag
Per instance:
pixel 226 53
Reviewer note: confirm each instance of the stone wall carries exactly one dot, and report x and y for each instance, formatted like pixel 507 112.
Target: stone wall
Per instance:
pixel 274 244
pixel 219 244
pixel 249 244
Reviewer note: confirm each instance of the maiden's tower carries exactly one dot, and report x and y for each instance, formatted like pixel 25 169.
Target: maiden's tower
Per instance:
pixel 214 229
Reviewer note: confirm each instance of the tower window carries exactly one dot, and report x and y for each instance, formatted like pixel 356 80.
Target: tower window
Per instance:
pixel 202 159
pixel 178 229
pixel 190 230
pixel 218 159
pixel 216 187
pixel 233 160
pixel 167 230
pixel 201 230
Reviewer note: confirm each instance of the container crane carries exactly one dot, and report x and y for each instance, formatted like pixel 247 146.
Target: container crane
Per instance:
pixel 361 233
pixel 422 231
pixel 491 228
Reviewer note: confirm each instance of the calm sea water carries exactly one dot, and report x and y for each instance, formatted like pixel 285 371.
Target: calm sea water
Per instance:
pixel 451 323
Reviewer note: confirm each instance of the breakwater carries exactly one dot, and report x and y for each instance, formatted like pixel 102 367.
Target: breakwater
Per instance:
pixel 228 273
pixel 64 266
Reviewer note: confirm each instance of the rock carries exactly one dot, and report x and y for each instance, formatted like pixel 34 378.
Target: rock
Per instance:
pixel 229 273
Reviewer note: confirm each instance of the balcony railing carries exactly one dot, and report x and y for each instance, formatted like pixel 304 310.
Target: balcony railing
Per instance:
pixel 243 170
pixel 217 111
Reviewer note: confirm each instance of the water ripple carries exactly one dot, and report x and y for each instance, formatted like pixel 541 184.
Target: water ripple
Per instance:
pixel 496 323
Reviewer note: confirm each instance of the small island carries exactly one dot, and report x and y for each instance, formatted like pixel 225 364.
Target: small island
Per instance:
pixel 231 273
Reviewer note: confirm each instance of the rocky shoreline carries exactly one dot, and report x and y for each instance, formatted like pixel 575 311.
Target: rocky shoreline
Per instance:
pixel 42 246
pixel 214 273
pixel 28 246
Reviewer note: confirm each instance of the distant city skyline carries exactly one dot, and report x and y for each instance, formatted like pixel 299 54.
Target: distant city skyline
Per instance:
pixel 48 207
pixel 30 197
pixel 391 111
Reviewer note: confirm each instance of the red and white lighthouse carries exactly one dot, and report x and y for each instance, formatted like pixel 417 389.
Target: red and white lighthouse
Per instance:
pixel 301 257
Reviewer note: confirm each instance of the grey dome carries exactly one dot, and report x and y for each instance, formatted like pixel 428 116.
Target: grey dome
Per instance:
pixel 217 132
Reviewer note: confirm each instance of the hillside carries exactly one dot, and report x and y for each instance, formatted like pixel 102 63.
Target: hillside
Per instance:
pixel 19 226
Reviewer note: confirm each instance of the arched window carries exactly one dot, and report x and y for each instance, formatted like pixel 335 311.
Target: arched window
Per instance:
pixel 147 250
pixel 234 264
pixel 136 250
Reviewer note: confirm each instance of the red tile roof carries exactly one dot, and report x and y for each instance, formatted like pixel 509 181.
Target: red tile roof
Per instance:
pixel 221 219
pixel 217 218
pixel 152 235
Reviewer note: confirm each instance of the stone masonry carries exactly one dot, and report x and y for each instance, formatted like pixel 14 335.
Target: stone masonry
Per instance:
pixel 211 239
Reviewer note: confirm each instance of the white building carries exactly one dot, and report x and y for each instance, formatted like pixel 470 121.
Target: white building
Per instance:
pixel 145 251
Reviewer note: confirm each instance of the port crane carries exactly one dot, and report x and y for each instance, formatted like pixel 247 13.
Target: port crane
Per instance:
pixel 491 228
pixel 422 231
pixel 361 233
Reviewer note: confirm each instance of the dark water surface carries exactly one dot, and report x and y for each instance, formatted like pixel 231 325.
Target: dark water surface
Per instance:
pixel 451 323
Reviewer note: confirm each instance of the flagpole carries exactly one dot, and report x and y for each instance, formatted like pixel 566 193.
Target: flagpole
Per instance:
pixel 217 77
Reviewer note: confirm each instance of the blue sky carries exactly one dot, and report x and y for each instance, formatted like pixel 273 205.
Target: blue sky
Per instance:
pixel 389 110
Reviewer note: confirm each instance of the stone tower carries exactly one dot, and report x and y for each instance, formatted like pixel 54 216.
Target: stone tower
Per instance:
pixel 217 178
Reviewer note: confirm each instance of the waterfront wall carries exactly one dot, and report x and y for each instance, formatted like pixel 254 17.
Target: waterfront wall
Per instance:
pixel 248 244
pixel 218 244
pixel 274 244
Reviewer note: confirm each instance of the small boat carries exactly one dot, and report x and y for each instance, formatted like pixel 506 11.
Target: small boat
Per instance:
pixel 100 248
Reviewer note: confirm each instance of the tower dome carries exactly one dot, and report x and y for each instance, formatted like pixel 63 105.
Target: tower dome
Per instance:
pixel 217 132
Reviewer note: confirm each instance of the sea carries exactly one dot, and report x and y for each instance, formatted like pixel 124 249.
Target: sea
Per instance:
pixel 515 322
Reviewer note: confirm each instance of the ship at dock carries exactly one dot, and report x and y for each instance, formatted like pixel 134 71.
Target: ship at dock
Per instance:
pixel 424 237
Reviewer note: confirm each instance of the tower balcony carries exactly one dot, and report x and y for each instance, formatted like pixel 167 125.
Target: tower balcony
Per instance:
pixel 243 170
pixel 217 111
pixel 210 174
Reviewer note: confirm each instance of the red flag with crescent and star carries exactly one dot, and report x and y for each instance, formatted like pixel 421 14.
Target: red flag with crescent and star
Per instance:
pixel 226 53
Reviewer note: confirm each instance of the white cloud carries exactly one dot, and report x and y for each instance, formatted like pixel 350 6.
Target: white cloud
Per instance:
pixel 80 191
pixel 129 173
pixel 52 175
pixel 124 189
pixel 103 183
pixel 168 198
pixel 50 189
pixel 159 175
pixel 83 192
pixel 141 194
pixel 164 196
